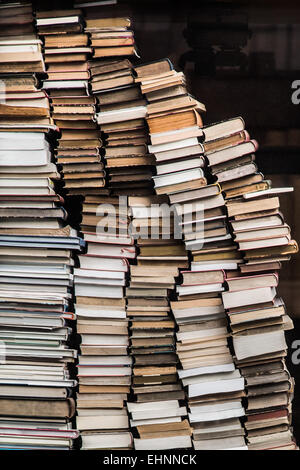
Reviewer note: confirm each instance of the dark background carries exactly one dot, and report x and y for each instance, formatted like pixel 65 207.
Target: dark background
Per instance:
pixel 240 58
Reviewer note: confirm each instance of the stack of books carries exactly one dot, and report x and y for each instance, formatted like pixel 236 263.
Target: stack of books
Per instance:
pixel 110 37
pixel 36 257
pixel 121 117
pixel 157 413
pixel 66 52
pixel 257 315
pixel 122 108
pixel 104 369
pixel 17 21
pixel 208 174
pixel 214 386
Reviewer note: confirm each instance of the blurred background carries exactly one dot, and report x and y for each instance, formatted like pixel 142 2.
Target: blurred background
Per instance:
pixel 240 58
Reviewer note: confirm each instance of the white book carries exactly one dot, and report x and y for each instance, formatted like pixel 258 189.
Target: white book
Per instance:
pixel 98 281
pixel 133 407
pixel 105 360
pixel 153 212
pixel 219 386
pixel 199 289
pixel 268 192
pixel 25 182
pixel 206 378
pixel 259 344
pixel 192 336
pixel 87 311
pixel 200 205
pixel 85 423
pixel 198 243
pixel 172 136
pixel 225 443
pixel 24 157
pixel 85 290
pixel 105 340
pixel 68 84
pixel 158 413
pixel 216 415
pixel 232 152
pixel 98 371
pixel 179 153
pixel 248 297
pixel 218 406
pixel 67 50
pixel 14 126
pixel 126 114
pixel 173 145
pixel 178 177
pixel 163 443
pixel 19 40
pixel 115 251
pixel 15 48
pixel 223 128
pixel 96 441
pixel 23 140
pixel 57 20
pixel 35 103
pixel 40 171
pixel 197 311
pixel 206 370
pixel 213 265
pixel 255 244
pixel 142 422
pixel 88 273
pixel 109 264
pixel 180 165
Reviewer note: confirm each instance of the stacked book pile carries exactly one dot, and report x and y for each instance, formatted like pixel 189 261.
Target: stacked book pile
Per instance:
pixel 20 57
pixel 17 22
pixel 110 37
pixel 66 52
pixel 214 386
pixel 157 414
pixel 104 369
pixel 36 253
pixel 121 117
pixel 122 108
pixel 257 316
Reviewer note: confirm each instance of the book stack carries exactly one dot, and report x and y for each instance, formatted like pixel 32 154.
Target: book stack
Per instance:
pixel 36 257
pixel 257 315
pixel 121 117
pixel 16 22
pixel 20 53
pixel 110 37
pixel 122 108
pixel 66 52
pixel 104 369
pixel 214 386
pixel 157 413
